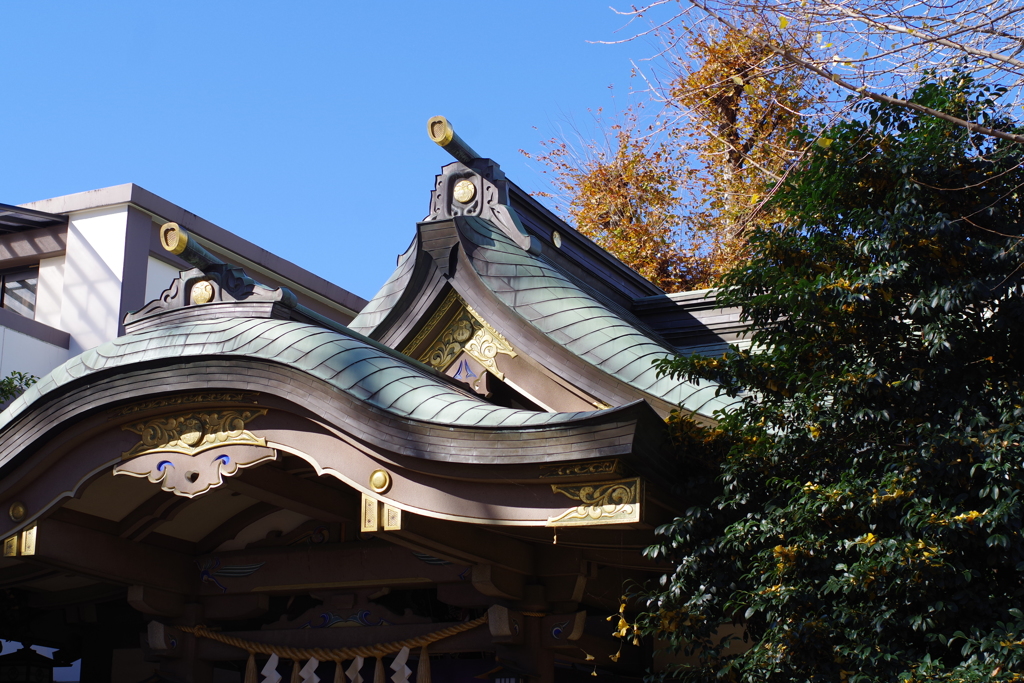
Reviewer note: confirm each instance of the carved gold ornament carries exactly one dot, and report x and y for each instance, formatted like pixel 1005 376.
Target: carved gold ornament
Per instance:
pixel 581 469
pixel 464 191
pixel 188 399
pixel 190 475
pixel 468 332
pixel 202 292
pixel 614 502
pixel 486 344
pixel 194 432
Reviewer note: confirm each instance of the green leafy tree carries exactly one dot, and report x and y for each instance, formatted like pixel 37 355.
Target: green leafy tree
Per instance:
pixel 12 386
pixel 865 518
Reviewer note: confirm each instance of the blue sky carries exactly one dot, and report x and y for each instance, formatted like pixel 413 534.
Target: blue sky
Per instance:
pixel 300 126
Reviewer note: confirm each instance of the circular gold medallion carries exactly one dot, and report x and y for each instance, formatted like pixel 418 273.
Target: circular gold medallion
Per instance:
pixel 465 190
pixel 17 511
pixel 380 481
pixel 462 331
pixel 202 292
pixel 191 432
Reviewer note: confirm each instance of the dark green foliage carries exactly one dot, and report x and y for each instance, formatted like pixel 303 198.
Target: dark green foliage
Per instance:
pixel 14 384
pixel 868 519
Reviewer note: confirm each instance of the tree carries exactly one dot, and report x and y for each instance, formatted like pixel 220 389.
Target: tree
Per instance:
pixel 12 386
pixel 672 199
pixel 865 521
pixel 873 49
pixel 623 195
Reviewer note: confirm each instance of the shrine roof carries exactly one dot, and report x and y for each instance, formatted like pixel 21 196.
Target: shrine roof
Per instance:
pixel 566 311
pixel 350 365
pixel 570 316
pixel 387 298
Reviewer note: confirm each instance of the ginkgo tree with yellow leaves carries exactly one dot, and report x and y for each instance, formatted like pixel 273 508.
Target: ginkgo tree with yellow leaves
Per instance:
pixel 672 197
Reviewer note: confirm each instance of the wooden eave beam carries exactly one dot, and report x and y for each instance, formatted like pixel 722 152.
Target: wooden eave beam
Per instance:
pixel 333 566
pixel 276 487
pixel 464 543
pixel 110 559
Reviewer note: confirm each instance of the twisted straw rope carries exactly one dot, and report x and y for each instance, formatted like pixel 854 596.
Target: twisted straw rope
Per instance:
pixel 334 654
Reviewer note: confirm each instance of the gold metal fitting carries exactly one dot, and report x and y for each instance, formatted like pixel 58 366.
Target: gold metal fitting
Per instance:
pixel 202 292
pixel 173 238
pixel 17 511
pixel 380 481
pixel 440 130
pixel 464 192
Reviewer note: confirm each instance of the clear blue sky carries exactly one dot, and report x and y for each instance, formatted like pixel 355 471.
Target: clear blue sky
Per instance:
pixel 300 126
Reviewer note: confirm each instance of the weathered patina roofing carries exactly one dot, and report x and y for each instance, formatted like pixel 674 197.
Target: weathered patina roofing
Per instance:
pixel 350 365
pixel 387 298
pixel 559 308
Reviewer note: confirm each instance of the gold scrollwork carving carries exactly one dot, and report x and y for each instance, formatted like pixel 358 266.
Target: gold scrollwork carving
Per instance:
pixel 486 344
pixel 451 342
pixel 613 502
pixel 188 399
pixel 468 332
pixel 194 432
pixel 440 313
pixel 578 469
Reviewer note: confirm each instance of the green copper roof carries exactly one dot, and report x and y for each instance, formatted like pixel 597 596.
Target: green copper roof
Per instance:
pixel 348 364
pixel 559 308
pixel 385 300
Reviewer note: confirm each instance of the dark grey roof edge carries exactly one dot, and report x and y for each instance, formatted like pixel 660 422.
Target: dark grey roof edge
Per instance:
pixel 520 199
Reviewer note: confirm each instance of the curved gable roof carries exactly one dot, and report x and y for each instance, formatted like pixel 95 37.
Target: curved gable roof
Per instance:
pixel 533 288
pixel 354 367
pixel 535 291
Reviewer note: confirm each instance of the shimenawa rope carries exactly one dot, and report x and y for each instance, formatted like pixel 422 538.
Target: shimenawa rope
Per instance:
pixel 333 654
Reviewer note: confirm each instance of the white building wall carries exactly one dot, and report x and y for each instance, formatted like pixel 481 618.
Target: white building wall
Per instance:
pixel 159 276
pixel 93 267
pixel 27 354
pixel 50 291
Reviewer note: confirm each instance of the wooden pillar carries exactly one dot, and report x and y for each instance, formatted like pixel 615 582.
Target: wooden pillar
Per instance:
pixel 97 656
pixel 188 667
pixel 541 658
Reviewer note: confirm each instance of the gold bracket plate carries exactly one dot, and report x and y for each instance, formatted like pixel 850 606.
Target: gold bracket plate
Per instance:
pixel 610 502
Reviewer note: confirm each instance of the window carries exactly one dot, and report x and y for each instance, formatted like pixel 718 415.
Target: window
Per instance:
pixel 18 291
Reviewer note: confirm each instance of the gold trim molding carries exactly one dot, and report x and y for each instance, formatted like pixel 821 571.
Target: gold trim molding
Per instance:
pixel 442 310
pixel 194 432
pixel 581 469
pixel 188 399
pixel 612 502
